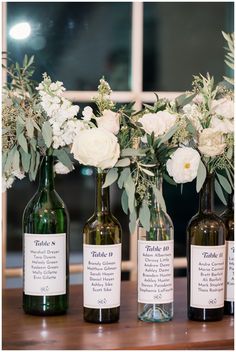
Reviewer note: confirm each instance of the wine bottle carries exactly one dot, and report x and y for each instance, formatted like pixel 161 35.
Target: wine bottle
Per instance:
pixel 46 248
pixel 102 260
pixel 228 217
pixel 206 259
pixel 155 265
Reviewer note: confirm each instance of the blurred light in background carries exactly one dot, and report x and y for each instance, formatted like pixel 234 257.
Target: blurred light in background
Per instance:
pixel 20 31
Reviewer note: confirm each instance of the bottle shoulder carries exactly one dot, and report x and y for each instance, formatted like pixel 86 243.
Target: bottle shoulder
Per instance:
pixel 104 220
pixel 206 219
pixel 47 204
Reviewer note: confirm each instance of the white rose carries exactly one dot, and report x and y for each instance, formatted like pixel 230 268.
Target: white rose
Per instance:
pixel 96 147
pixel 211 142
pixel 223 107
pixel 159 123
pixel 87 113
pixel 110 121
pixel 183 164
pixel 60 168
pixel 224 125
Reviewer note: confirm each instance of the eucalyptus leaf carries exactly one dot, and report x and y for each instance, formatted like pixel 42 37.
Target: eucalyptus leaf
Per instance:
pixel 47 133
pixel 147 165
pixel 33 142
pixel 148 172
pixel 220 192
pixel 111 177
pixel 132 221
pixel 169 134
pixel 224 183
pixel 31 60
pixel 25 160
pixel 132 152
pixel 230 153
pixel 123 162
pixel 35 125
pixel 191 129
pixel 229 178
pixel 4 158
pixel 20 120
pixel 19 129
pixel 159 197
pixel 25 60
pixel 16 160
pixel 124 202
pixel 29 127
pixel 37 161
pixel 63 157
pixel 130 190
pixel 123 177
pixel 168 179
pixel 144 216
pixel 201 176
pixel 23 142
pixel 184 99
pixel 32 164
pixel 9 160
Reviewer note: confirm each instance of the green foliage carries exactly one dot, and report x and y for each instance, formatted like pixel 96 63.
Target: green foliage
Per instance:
pixel 201 176
pixel 229 56
pixel 26 131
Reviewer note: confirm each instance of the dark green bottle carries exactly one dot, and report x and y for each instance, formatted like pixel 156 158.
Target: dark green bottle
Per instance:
pixel 46 248
pixel 102 260
pixel 206 259
pixel 228 217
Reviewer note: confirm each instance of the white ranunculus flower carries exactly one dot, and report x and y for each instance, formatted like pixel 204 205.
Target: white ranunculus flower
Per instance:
pixel 87 113
pixel 96 147
pixel 224 125
pixel 159 123
pixel 223 107
pixel 60 168
pixel 211 142
pixel 183 164
pixel 110 121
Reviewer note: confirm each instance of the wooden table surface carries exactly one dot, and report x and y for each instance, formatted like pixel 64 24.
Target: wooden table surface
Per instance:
pixel 70 332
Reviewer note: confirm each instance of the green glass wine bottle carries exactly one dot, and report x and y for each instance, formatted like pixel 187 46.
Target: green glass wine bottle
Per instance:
pixel 155 265
pixel 46 248
pixel 102 260
pixel 228 217
pixel 206 259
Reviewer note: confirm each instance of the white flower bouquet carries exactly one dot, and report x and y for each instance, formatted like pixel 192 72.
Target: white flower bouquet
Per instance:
pixel 35 121
pixel 97 143
pixel 151 132
pixel 208 146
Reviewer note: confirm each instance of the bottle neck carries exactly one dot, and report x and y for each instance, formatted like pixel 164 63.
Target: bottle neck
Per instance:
pixel 46 175
pixel 159 182
pixel 102 202
pixel 206 197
